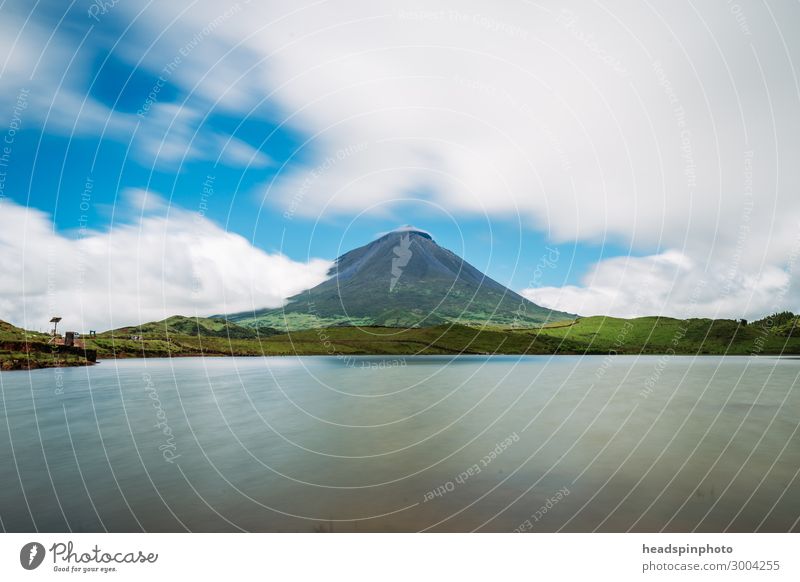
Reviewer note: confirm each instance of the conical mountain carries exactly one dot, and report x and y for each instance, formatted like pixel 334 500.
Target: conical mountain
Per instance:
pixel 403 279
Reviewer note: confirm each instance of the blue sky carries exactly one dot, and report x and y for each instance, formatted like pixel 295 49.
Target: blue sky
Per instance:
pixel 504 131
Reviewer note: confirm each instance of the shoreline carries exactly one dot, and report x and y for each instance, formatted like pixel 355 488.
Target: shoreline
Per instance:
pixel 87 364
pixel 180 337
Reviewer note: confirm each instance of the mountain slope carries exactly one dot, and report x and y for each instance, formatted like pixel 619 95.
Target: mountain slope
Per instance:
pixel 403 279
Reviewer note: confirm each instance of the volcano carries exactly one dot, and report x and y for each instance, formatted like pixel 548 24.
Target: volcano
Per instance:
pixel 403 279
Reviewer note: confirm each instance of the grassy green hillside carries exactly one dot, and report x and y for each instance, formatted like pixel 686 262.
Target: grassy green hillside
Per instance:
pixel 591 335
pixel 183 336
pixel 11 333
pixel 179 325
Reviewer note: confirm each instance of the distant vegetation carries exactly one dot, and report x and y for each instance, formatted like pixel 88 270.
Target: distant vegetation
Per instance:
pixel 184 336
pixel 179 325
pixel 784 324
pixel 656 335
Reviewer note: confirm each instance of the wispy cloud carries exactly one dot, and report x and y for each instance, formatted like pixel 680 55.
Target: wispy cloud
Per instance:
pixel 674 285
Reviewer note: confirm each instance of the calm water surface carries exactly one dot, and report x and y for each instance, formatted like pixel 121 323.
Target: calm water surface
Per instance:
pixel 536 443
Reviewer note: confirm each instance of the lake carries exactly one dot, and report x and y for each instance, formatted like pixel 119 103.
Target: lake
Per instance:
pixel 495 443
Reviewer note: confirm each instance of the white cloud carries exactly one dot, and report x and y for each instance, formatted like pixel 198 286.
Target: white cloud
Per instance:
pixel 171 136
pixel 673 285
pixel 240 154
pixel 165 263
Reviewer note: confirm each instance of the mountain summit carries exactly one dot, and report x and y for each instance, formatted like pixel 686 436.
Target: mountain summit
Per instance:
pixel 403 279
